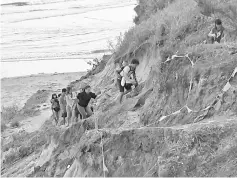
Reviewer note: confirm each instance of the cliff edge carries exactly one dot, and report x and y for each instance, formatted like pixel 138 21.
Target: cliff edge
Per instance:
pixel 180 121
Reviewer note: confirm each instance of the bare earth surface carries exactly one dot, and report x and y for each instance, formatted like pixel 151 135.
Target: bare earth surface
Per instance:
pixel 181 120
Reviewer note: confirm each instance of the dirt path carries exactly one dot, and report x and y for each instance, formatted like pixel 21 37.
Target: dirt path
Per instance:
pixel 34 123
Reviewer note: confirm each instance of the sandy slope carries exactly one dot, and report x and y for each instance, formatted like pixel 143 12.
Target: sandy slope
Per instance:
pixel 24 91
pixel 32 95
pixel 34 123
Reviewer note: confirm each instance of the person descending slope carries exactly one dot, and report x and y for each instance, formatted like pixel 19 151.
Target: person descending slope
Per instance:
pixel 55 107
pixel 128 78
pixel 216 33
pixel 63 104
pixel 84 98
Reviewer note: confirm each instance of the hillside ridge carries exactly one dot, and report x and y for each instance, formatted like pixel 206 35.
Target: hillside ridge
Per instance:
pixel 180 121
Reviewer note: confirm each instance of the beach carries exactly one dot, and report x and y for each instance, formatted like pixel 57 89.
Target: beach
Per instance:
pixel 17 90
pixel 45 45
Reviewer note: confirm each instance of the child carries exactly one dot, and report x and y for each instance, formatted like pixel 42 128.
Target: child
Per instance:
pixel 55 107
pixel 217 33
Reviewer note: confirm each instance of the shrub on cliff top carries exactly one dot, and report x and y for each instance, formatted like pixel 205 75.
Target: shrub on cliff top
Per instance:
pixel 226 10
pixel 162 26
pixel 8 113
pixel 180 23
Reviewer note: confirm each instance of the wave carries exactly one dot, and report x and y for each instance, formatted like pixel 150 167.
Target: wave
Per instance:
pixel 16 4
pixel 84 10
pixel 50 30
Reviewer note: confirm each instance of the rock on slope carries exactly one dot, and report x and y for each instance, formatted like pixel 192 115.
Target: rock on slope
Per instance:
pixel 180 121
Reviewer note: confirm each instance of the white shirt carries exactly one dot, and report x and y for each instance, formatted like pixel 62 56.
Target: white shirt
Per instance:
pixel 126 74
pixel 69 100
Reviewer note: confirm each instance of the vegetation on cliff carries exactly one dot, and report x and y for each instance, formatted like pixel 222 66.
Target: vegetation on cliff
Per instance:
pixel 180 121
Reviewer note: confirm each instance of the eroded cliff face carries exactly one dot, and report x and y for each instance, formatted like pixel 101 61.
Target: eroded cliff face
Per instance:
pixel 180 121
pixel 186 128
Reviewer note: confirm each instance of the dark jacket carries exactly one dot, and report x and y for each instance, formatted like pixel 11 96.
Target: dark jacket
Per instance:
pixel 218 34
pixel 55 103
pixel 85 98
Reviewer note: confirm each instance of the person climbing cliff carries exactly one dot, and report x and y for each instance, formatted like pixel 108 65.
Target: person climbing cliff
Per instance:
pixel 63 104
pixel 128 78
pixel 84 98
pixel 216 33
pixel 55 107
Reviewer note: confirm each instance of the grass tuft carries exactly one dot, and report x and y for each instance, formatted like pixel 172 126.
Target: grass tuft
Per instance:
pixel 8 113
pixel 3 127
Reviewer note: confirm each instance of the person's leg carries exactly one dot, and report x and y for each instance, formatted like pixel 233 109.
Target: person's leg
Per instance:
pixel 61 114
pixel 119 84
pixel 56 117
pixel 127 91
pixel 121 97
pixel 128 88
pixel 121 89
pixel 77 114
pixel 69 114
pixel 82 111
pixel 123 94
pixel 88 111
pixel 52 111
pixel 74 113
pixel 73 116
pixel 64 115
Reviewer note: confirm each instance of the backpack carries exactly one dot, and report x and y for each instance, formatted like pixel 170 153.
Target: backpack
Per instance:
pixel 218 34
pixel 133 73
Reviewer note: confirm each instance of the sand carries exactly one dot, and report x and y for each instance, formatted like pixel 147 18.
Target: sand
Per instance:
pixel 23 91
pixel 18 90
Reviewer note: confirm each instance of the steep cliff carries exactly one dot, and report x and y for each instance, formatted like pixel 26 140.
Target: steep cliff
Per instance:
pixel 180 121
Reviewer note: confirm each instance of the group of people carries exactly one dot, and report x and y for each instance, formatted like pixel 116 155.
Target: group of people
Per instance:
pixel 72 108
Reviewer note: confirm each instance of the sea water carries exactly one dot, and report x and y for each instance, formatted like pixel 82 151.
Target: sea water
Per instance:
pixel 47 36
